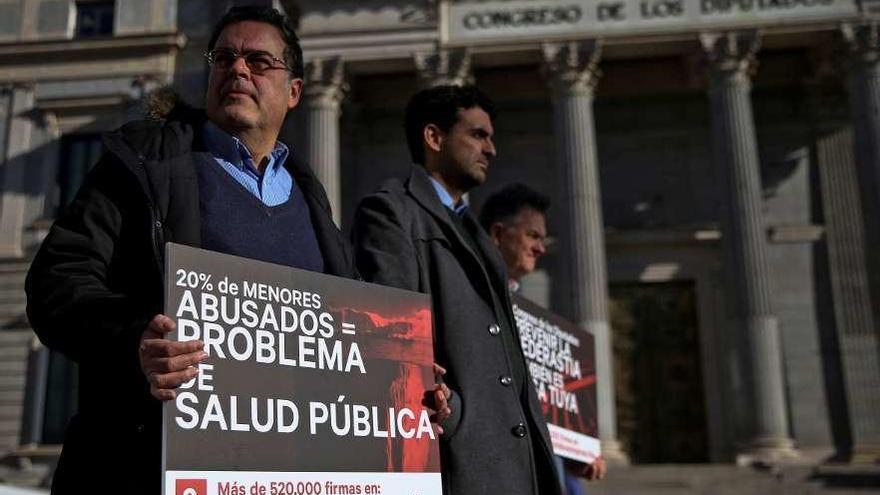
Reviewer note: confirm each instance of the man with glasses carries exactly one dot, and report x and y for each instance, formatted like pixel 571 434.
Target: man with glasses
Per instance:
pixel 217 179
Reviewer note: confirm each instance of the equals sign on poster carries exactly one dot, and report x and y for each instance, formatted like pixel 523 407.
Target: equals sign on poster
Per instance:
pixel 348 328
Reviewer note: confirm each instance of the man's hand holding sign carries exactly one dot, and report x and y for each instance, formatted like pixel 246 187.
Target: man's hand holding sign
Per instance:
pixel 168 364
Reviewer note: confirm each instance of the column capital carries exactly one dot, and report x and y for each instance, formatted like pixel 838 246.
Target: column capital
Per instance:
pixel 421 13
pixel 731 53
pixel 572 67
pixel 324 82
pixel 863 40
pixel 444 66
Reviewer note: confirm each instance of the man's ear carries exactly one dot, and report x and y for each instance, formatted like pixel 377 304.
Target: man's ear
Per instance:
pixel 296 86
pixel 433 137
pixel 495 233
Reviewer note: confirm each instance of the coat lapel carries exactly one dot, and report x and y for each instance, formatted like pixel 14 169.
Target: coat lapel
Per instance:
pixel 420 187
pixel 495 264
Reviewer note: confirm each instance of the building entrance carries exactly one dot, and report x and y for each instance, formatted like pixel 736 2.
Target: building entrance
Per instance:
pixel 661 413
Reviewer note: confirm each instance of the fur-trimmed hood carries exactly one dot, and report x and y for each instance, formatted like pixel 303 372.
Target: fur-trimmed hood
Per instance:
pixel 165 103
pixel 171 127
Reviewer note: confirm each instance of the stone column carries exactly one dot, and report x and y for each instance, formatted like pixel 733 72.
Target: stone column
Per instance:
pixel 34 404
pixel 16 125
pixel 731 58
pixel 323 93
pixel 859 344
pixel 573 72
pixel 444 66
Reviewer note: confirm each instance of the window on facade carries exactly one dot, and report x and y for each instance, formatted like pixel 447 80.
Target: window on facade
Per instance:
pixel 94 19
pixel 79 153
pixel 61 393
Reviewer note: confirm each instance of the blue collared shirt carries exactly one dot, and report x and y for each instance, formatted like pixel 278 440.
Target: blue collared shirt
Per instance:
pixel 446 198
pixel 272 187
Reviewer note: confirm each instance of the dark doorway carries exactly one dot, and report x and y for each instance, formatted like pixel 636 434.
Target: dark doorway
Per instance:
pixel 62 384
pixel 661 412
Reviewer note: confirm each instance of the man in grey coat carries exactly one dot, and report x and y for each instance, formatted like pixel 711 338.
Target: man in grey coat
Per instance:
pixel 419 235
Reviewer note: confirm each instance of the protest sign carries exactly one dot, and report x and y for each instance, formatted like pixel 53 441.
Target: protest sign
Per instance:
pixel 313 384
pixel 562 364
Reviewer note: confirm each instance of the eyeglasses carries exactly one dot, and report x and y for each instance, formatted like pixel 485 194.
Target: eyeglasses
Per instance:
pixel 257 61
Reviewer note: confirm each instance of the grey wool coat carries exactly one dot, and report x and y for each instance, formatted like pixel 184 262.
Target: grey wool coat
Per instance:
pixel 496 440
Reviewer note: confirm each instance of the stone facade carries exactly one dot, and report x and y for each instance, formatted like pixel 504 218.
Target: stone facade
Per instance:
pixel 733 153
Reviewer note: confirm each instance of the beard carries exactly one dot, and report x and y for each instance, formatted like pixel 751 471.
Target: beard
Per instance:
pixel 473 179
pixel 459 172
pixel 470 175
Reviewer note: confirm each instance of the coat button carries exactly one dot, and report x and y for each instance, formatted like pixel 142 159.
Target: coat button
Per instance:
pixel 494 329
pixel 505 380
pixel 519 430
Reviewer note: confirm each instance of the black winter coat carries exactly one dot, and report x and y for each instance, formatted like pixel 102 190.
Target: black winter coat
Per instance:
pixel 98 279
pixel 404 238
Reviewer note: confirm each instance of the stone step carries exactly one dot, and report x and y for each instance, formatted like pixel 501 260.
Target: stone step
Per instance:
pixel 14 265
pixel 11 353
pixel 15 347
pixel 12 308
pixel 11 412
pixel 8 382
pixel 9 427
pixel 11 397
pixel 13 367
pixel 9 442
pixel 12 290
pixel 20 336
pixel 715 479
pixel 29 478
pixel 12 294
pixel 12 280
pixel 14 322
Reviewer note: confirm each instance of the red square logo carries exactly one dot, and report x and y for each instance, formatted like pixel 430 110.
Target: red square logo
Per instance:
pixel 191 487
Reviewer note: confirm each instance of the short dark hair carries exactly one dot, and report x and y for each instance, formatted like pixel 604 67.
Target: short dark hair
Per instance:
pixel 439 106
pixel 508 201
pixel 292 51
